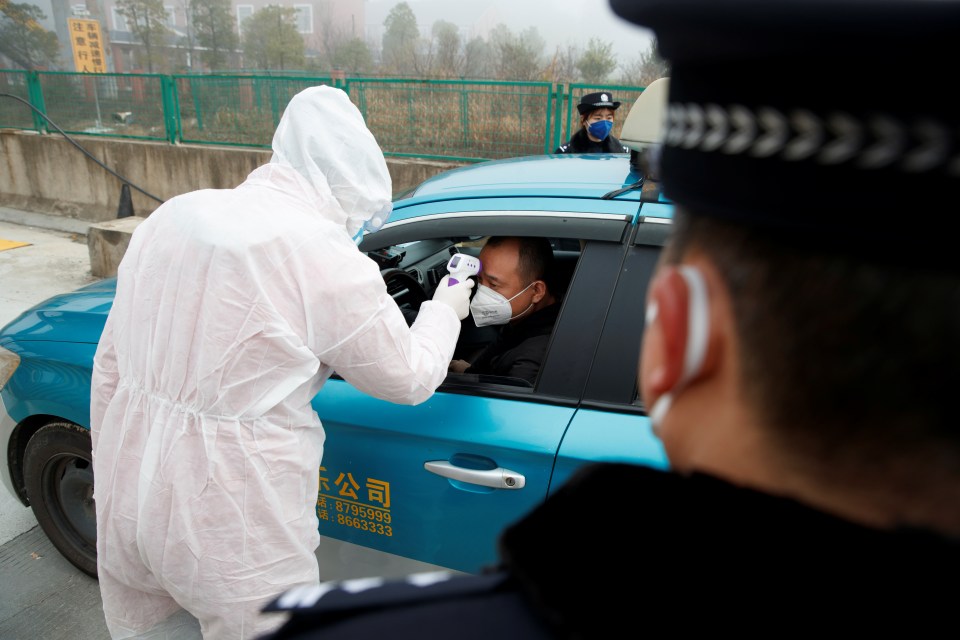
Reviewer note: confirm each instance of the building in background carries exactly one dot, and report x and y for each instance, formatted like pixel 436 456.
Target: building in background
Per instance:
pixel 321 22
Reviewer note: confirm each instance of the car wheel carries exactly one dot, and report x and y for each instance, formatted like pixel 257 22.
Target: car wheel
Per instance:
pixel 58 472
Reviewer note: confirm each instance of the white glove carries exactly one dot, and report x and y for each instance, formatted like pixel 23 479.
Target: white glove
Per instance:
pixel 457 297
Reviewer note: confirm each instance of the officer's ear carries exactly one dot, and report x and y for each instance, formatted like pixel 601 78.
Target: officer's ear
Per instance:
pixel 676 337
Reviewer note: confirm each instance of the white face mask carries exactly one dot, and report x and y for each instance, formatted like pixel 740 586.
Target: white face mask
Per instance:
pixel 489 307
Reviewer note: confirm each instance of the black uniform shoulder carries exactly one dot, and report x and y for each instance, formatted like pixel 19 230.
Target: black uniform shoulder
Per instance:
pixel 487 605
pixel 662 531
pixel 613 145
pixel 680 507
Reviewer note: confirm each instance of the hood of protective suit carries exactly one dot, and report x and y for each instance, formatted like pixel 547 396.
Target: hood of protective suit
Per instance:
pixel 316 128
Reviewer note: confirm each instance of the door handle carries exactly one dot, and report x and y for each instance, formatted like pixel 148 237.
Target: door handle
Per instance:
pixel 498 478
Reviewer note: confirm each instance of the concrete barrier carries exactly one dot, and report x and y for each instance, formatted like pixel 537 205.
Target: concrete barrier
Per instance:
pixel 107 242
pixel 48 174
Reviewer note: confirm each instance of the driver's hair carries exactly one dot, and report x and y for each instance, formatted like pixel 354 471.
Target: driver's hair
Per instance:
pixel 536 256
pixel 853 366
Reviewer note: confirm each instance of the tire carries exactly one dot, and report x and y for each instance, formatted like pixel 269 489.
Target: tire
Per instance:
pixel 58 471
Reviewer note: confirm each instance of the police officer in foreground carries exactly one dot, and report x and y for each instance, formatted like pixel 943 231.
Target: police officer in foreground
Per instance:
pixel 596 122
pixel 800 360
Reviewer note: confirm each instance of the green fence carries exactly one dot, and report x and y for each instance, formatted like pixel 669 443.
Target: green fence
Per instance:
pixel 462 120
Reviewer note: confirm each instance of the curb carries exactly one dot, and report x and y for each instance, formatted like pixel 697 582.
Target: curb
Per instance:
pixel 45 221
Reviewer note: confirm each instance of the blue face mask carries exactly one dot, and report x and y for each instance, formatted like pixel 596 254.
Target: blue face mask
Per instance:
pixel 374 223
pixel 600 129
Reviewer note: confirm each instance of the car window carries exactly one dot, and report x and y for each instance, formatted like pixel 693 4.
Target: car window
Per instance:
pixel 413 270
pixel 474 341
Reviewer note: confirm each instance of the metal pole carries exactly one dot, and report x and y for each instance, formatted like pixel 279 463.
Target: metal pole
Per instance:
pixel 96 100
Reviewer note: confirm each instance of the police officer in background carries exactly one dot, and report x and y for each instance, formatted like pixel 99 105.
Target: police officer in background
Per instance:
pixel 800 359
pixel 596 121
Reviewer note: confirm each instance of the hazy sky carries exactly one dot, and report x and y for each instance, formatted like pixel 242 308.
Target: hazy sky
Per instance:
pixel 559 22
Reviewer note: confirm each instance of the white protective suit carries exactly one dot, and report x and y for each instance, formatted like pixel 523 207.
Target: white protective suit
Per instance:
pixel 233 307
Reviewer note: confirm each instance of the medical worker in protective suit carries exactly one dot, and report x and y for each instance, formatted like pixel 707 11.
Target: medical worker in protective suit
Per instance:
pixel 232 309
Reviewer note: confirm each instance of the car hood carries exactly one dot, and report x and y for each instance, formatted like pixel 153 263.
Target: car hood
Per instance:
pixel 77 316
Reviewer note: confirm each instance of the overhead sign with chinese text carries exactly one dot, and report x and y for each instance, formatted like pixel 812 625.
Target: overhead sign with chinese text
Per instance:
pixel 88 55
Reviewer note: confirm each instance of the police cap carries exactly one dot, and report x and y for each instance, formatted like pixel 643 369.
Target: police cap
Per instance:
pixel 787 114
pixel 593 101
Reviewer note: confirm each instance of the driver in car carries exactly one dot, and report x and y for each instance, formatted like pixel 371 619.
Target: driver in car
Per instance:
pixel 514 292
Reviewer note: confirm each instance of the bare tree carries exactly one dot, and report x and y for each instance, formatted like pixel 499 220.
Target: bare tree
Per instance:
pixel 216 30
pixel 147 21
pixel 478 59
pixel 597 62
pixel 330 36
pixel 271 39
pixel 647 67
pixel 563 65
pixel 517 56
pixel 449 54
pixel 353 56
pixel 423 57
pixel 400 39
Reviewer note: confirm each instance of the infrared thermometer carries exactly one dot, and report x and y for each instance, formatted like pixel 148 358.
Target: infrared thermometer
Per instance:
pixel 462 265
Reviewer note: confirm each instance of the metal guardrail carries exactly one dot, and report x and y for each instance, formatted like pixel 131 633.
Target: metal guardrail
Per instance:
pixel 458 120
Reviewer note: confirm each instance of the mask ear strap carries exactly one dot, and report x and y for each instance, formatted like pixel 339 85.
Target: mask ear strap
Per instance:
pixel 695 350
pixel 698 323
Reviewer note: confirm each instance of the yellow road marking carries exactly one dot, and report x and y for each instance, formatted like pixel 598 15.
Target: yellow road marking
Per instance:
pixel 11 244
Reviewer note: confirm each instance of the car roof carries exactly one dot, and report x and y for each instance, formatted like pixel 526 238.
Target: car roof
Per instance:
pixel 588 196
pixel 561 175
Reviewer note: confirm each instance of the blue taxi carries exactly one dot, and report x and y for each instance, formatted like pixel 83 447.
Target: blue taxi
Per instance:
pixel 436 482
